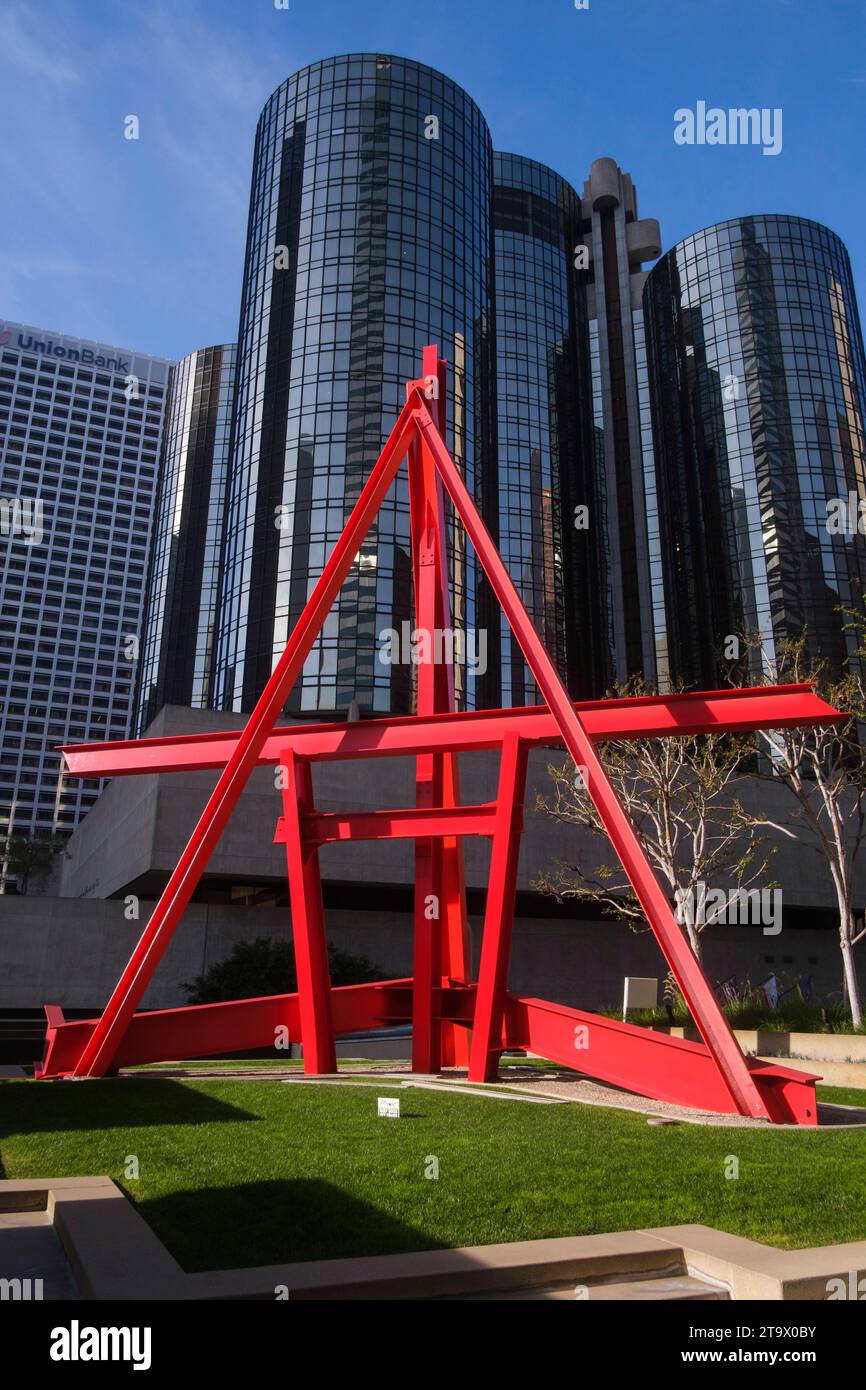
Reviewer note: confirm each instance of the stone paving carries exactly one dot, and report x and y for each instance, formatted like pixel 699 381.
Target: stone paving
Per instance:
pixel 30 1250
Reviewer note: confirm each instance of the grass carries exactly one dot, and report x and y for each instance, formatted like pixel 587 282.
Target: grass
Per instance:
pixel 255 1172
pixel 842 1095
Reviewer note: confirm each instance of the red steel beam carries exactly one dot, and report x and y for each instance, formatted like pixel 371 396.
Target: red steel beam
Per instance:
pixel 409 823
pixel 434 694
pixel 652 1064
pixel 308 921
pixel 499 914
pixel 105 1039
pixel 645 716
pixel 203 1030
pixel 637 1059
pixel 699 997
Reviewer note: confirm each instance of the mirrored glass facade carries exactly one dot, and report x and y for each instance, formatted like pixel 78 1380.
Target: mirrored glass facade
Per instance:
pixel 545 457
pixel 177 652
pixel 619 243
pixel 369 236
pixel 758 388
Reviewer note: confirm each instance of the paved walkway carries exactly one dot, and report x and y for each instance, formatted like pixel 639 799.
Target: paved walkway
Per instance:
pixel 30 1249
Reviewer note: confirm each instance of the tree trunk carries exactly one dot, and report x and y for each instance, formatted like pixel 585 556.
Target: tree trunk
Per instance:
pixel 852 984
pixel 694 940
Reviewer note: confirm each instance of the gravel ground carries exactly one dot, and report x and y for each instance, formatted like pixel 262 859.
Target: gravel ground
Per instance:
pixel 557 1085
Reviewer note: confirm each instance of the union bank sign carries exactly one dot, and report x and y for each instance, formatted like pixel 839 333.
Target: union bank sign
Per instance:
pixel 77 350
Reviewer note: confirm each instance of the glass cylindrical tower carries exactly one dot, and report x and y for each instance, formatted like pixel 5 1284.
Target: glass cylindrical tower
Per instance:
pixel 544 446
pixel 182 589
pixel 757 369
pixel 369 235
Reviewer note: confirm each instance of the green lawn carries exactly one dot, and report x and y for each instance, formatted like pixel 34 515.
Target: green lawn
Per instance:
pixel 254 1172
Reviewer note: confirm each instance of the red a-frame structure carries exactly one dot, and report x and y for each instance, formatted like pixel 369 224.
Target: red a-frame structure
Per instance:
pixel 454 1019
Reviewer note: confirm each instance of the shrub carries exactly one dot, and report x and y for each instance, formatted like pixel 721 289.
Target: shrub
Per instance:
pixel 261 967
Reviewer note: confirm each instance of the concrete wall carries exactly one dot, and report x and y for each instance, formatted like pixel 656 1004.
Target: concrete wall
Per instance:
pixel 68 952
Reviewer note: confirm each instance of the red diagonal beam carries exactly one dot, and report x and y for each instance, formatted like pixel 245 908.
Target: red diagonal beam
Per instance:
pixel 645 716
pixel 714 1027
pixel 650 1063
pixel 239 1025
pixel 103 1042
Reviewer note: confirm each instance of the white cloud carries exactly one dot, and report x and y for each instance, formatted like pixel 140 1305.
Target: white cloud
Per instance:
pixel 35 47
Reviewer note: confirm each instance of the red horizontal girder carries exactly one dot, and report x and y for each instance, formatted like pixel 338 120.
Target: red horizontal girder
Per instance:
pixel 325 827
pixel 645 716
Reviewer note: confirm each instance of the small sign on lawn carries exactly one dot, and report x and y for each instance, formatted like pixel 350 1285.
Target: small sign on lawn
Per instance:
pixel 388 1107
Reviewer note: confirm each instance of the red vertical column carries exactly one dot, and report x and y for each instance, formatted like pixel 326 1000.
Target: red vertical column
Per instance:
pixel 499 914
pixel 308 920
pixel 427 962
pixel 439 881
pixel 440 930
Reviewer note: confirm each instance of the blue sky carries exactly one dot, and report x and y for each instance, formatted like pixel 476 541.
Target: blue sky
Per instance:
pixel 140 243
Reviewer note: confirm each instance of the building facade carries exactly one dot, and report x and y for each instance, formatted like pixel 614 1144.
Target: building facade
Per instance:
pixel 369 236
pixel 619 243
pixel 758 387
pixel 80 426
pixel 177 652
pixel 546 468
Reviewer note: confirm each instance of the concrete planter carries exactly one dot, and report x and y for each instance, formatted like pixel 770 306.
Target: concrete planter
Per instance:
pixel 817 1047
pixel 839 1057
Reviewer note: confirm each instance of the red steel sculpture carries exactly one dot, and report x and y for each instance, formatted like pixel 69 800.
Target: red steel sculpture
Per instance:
pixel 454 1020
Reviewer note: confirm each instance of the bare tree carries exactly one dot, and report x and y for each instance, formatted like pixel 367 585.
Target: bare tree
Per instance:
pixel 679 793
pixel 825 770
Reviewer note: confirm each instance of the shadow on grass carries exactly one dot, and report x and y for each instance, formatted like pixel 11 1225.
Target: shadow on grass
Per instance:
pixel 42 1107
pixel 279 1222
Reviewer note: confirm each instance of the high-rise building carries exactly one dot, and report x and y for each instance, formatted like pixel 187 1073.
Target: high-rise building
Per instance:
pixel 759 389
pixel 369 235
pixel 619 244
pixel 180 618
pixel 80 426
pixel 546 468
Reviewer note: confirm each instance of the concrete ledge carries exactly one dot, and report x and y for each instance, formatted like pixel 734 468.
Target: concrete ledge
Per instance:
pixel 771 1044
pixel 112 1251
pixel 755 1271
pixel 851 1074
pixel 113 1254
pixel 450 1273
